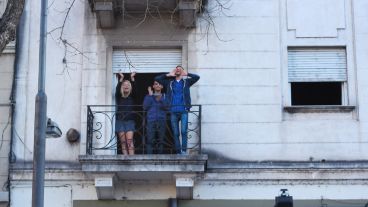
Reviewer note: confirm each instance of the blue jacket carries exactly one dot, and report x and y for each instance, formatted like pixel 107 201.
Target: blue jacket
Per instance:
pixel 168 81
pixel 156 110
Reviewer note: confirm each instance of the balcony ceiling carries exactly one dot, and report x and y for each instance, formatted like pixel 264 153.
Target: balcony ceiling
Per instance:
pixel 108 10
pixel 141 5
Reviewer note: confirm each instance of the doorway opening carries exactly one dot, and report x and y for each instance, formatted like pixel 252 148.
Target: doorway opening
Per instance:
pixel 142 82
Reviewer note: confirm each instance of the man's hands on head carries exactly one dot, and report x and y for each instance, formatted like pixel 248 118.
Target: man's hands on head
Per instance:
pixel 183 72
pixel 171 74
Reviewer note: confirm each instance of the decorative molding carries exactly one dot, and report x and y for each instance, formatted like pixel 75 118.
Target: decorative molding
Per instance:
pixel 316 18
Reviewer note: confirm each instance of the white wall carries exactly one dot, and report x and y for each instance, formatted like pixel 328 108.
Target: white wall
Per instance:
pixel 58 196
pixel 243 85
pixel 63 84
pixel 361 52
pixel 243 70
pixel 249 191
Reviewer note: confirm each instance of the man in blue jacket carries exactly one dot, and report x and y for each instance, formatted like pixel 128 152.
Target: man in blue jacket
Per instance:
pixel 156 106
pixel 178 96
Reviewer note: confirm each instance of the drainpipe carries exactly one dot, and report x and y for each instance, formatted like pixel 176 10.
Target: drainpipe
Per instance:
pixel 18 56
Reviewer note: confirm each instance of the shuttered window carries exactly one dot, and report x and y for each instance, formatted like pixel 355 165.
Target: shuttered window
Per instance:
pixel 317 65
pixel 145 60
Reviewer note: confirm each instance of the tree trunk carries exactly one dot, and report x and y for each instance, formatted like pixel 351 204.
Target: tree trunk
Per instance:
pixel 9 22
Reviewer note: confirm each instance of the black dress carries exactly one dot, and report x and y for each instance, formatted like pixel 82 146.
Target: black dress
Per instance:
pixel 125 110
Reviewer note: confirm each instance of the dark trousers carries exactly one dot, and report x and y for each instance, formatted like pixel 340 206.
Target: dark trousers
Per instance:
pixel 154 127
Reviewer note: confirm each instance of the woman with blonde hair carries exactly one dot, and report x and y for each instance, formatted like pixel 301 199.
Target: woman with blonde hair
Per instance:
pixel 125 118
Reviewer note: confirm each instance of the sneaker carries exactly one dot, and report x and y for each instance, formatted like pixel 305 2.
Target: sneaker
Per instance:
pixel 183 153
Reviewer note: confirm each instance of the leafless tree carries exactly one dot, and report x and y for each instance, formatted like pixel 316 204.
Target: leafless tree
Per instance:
pixel 9 21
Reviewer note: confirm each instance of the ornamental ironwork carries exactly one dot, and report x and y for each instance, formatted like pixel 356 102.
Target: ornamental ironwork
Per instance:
pixel 103 140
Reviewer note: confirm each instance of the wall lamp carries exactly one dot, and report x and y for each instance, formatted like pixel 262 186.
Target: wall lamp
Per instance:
pixel 284 199
pixel 52 129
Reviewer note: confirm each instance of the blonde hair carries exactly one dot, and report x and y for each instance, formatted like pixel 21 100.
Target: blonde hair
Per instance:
pixel 125 95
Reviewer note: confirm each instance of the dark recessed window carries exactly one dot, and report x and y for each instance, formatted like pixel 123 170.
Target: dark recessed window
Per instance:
pixel 316 93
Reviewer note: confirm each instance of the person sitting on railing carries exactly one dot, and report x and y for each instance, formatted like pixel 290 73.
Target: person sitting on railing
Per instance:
pixel 178 95
pixel 156 106
pixel 125 118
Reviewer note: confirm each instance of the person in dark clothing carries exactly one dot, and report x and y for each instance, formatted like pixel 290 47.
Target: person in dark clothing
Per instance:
pixel 178 96
pixel 155 105
pixel 125 118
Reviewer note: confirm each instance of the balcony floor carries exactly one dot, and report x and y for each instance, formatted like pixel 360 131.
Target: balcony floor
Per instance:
pixel 143 163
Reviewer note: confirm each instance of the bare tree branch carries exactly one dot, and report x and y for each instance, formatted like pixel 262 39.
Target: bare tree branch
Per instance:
pixel 208 17
pixel 66 17
pixel 145 14
pixel 9 22
pixel 70 50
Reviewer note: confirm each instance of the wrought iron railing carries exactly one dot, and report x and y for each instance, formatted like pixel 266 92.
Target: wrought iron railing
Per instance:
pixel 102 138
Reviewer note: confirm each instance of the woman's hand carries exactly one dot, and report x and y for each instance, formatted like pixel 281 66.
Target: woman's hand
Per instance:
pixel 132 76
pixel 150 92
pixel 121 77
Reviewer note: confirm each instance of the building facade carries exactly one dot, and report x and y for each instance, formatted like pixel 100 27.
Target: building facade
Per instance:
pixel 281 103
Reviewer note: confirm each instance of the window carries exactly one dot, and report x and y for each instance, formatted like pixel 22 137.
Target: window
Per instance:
pixel 317 76
pixel 145 60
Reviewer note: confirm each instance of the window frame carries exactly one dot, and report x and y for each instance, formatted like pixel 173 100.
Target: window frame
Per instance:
pixel 348 92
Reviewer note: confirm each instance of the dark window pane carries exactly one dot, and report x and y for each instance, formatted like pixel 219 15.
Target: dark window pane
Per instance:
pixel 316 93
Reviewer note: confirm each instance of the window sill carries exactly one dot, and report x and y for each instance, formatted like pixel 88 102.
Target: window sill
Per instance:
pixel 319 109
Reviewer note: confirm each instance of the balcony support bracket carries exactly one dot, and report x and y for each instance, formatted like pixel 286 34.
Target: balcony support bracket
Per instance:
pixel 184 185
pixel 105 13
pixel 104 184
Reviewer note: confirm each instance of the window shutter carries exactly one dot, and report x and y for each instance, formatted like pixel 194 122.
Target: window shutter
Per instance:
pixel 317 65
pixel 145 60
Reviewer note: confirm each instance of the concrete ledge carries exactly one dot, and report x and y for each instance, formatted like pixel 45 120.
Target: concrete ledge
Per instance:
pixel 318 109
pixel 143 163
pixel 292 165
pixel 333 172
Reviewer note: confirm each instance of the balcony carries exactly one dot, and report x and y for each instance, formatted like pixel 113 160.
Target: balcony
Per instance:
pixel 107 11
pixel 105 162
pixel 102 139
